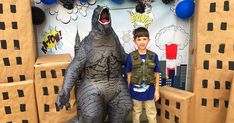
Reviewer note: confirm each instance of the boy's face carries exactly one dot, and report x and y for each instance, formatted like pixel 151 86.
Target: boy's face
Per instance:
pixel 142 42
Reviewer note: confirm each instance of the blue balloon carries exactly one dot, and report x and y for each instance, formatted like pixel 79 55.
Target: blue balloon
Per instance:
pixel 83 1
pixel 48 2
pixel 118 1
pixel 185 9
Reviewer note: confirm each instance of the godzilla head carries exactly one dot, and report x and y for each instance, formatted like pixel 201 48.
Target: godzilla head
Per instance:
pixel 101 20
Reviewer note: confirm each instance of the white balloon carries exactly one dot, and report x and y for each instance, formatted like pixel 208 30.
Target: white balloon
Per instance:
pixel 92 2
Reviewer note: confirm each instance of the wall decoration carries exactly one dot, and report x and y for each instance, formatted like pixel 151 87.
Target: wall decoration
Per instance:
pixel 165 38
pixel 66 15
pixel 62 14
pixel 141 17
pixel 170 40
pixel 52 41
pixel 124 20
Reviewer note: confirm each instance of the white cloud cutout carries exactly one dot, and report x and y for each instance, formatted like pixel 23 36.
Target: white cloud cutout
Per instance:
pixel 62 14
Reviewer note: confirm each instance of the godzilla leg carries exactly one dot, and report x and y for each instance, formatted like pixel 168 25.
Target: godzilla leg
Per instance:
pixel 119 107
pixel 92 107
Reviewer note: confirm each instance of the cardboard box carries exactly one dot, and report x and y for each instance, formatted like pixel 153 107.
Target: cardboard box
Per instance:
pixel 17 45
pixel 18 102
pixel 230 111
pixel 212 96
pixel 49 74
pixel 213 59
pixel 175 106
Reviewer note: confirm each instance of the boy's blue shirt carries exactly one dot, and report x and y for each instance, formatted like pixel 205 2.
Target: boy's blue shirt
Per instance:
pixel 141 92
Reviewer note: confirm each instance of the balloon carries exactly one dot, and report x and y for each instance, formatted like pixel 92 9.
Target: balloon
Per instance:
pixel 68 4
pixel 185 9
pixel 83 1
pixel 118 1
pixel 92 2
pixel 140 8
pixel 167 1
pixel 38 16
pixel 48 2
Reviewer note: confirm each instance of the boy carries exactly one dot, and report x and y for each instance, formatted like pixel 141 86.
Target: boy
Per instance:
pixel 143 77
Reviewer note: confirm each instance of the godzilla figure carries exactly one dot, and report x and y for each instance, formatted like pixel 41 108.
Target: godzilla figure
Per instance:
pixel 103 91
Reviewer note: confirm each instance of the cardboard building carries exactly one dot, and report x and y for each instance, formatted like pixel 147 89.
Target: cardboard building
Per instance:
pixel 230 112
pixel 49 74
pixel 18 103
pixel 175 106
pixel 17 46
pixel 213 66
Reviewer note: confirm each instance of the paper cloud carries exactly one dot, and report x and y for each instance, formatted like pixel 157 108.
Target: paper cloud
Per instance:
pixel 62 14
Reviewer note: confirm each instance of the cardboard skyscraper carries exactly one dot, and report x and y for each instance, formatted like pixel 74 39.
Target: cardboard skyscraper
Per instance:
pixel 17 45
pixel 213 59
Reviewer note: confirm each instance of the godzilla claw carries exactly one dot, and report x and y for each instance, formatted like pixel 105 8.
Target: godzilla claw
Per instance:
pixel 57 107
pixel 68 106
pixel 62 100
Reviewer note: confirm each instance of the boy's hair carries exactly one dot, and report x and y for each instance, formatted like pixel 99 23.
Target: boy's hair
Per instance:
pixel 140 32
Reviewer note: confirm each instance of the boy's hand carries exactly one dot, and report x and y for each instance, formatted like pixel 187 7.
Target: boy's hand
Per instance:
pixel 156 95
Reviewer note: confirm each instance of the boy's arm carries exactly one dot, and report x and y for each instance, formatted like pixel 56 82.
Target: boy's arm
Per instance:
pixel 156 94
pixel 129 68
pixel 129 78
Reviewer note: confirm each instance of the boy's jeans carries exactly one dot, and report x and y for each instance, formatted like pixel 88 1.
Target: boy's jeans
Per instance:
pixel 150 108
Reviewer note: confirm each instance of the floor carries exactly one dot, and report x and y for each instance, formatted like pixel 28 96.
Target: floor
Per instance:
pixel 128 120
